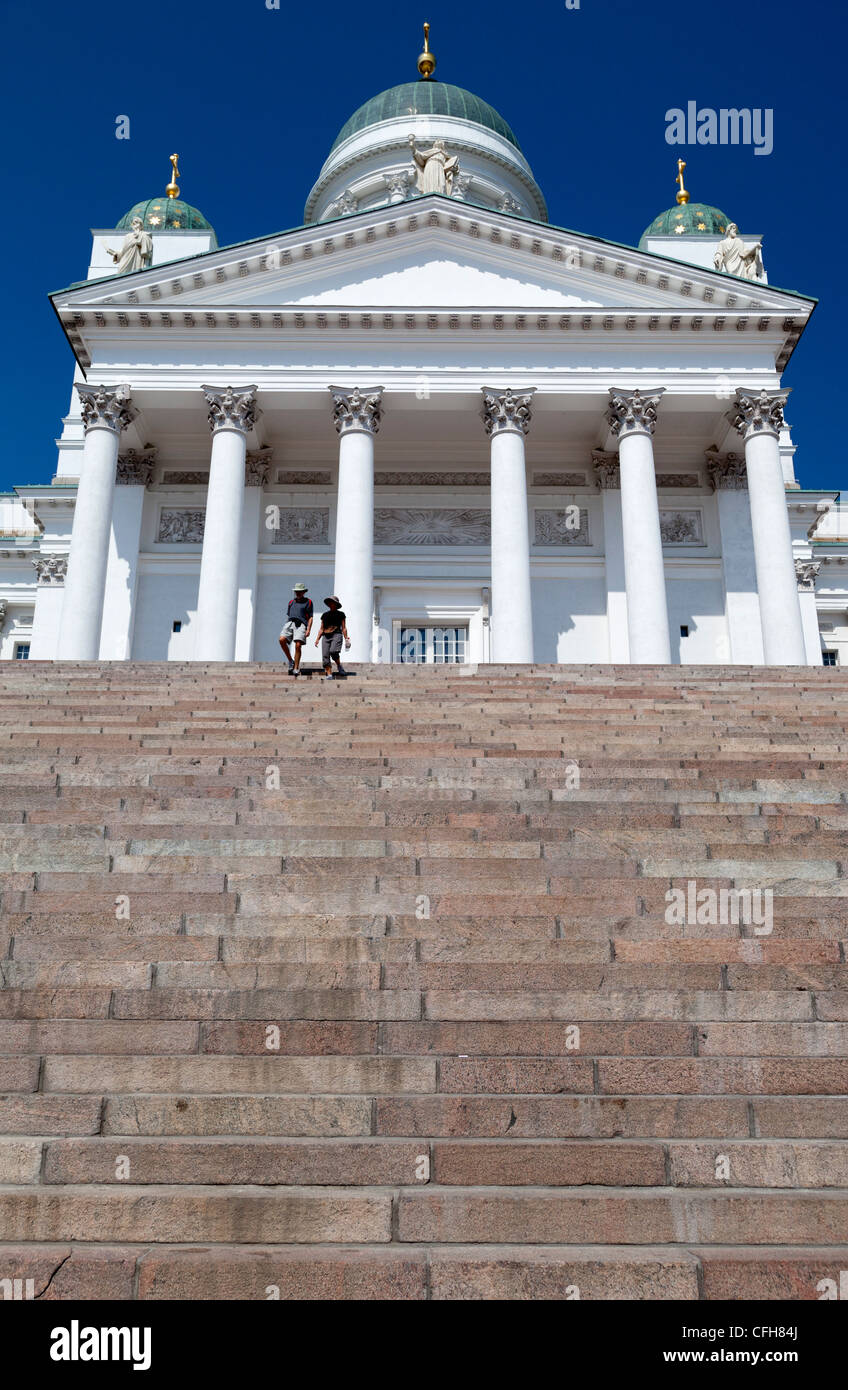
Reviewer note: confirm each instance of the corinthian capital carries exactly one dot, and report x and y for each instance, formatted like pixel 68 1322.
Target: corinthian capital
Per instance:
pixel 231 408
pixel 633 412
pixel 727 471
pixel 105 407
pixel 806 573
pixel 503 410
pixel 758 412
pixel 607 469
pixel 51 569
pixel 256 466
pixel 397 183
pixel 357 410
pixel 135 467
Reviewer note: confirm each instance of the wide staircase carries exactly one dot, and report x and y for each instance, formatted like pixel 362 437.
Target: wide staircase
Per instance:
pixel 376 988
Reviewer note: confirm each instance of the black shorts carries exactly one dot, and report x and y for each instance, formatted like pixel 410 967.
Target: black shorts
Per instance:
pixel 331 645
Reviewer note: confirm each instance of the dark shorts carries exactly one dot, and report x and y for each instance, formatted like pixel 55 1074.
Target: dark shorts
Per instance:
pixel 331 645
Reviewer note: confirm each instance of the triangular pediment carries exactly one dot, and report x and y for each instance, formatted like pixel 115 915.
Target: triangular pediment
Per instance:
pixel 429 254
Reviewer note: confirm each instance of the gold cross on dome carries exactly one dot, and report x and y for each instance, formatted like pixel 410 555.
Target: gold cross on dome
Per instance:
pixel 683 196
pixel 172 189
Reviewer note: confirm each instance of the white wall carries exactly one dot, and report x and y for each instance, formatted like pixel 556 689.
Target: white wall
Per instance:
pixel 569 620
pixel 699 604
pixel 162 597
pixel 45 624
pixel 744 629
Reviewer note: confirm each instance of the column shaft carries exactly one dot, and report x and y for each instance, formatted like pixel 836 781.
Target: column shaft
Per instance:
pixel 353 575
pixel 217 597
pixel 357 416
pixel 758 417
pixel 507 419
pixel 632 417
pixel 231 414
pixel 780 611
pixel 512 608
pixel 106 412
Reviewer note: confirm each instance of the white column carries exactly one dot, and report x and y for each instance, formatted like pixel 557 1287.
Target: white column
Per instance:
pixel 46 620
pixel 758 417
pixel 607 474
pixel 632 418
pixel 806 573
pixel 106 411
pixel 232 414
pixel 134 474
pixel 506 418
pixel 357 416
pixel 741 604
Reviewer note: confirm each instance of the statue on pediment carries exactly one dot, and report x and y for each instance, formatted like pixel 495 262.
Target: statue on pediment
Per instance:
pixel 737 257
pixel 136 251
pixel 436 169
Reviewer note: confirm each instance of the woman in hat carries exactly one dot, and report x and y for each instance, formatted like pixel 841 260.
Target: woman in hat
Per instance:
pixel 333 628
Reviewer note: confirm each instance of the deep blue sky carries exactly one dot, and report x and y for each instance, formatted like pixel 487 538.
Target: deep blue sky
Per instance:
pixel 252 99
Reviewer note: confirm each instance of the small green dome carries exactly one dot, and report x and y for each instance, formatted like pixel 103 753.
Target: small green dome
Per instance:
pixel 164 214
pixel 426 98
pixel 690 218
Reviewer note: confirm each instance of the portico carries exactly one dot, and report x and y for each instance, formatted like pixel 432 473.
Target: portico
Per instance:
pixel 527 539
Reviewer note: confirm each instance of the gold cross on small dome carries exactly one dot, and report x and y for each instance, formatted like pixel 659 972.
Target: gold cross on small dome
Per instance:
pixel 172 189
pixel 683 196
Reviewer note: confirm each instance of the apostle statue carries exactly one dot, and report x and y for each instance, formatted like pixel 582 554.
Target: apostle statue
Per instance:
pixel 738 257
pixel 436 169
pixel 137 250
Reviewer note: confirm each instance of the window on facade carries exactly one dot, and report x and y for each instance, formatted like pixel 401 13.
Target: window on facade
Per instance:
pixel 430 645
pixel 22 651
pixel 828 658
pixel 177 625
pixel 684 629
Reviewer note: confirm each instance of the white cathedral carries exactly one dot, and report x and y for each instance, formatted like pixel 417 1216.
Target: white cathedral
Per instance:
pixel 492 438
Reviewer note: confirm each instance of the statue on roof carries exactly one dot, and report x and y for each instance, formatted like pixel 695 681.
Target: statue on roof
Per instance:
pixel 737 257
pixel 136 251
pixel 435 168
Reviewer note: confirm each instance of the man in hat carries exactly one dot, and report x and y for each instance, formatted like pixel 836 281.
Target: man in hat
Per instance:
pixel 333 628
pixel 297 627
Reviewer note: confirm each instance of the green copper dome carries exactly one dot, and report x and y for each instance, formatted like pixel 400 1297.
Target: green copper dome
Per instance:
pixel 164 214
pixel 690 218
pixel 426 98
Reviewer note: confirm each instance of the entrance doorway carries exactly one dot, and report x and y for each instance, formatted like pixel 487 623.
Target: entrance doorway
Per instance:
pixel 430 644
